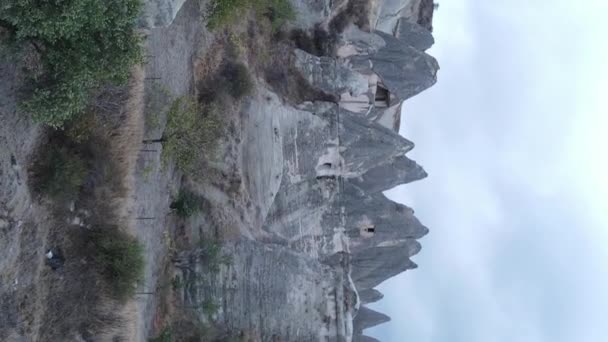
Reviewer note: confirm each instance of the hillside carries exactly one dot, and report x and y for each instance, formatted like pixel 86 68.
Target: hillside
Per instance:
pixel 246 156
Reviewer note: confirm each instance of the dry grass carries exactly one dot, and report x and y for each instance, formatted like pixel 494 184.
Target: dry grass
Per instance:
pixel 122 133
pixel 76 301
pixel 268 54
pixel 124 148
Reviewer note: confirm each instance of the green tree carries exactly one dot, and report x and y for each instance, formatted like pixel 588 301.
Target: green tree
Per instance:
pixel 82 45
pixel 190 133
pixel 120 257
pixel 187 203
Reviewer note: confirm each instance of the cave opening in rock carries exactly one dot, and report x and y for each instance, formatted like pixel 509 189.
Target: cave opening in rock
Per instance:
pixel 382 98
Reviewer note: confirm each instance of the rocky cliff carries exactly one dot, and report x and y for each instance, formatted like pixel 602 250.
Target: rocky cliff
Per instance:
pixel 294 192
pixel 317 233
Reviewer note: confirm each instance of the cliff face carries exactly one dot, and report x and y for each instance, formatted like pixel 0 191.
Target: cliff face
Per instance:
pixel 319 234
pixel 377 66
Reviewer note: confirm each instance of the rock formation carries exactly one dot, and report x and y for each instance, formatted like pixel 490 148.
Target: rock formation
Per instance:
pixel 312 232
pixel 159 13
pixel 373 72
pixel 320 233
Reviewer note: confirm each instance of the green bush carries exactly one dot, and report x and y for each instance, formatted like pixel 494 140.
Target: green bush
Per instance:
pixel 191 131
pixel 59 173
pixel 233 79
pixel 236 80
pixel 279 12
pixel 187 203
pixel 223 12
pixel 120 257
pixel 82 44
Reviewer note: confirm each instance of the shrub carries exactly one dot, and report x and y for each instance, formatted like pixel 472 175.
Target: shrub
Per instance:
pixel 236 80
pixel 223 12
pixel 186 204
pixel 191 130
pixel 59 173
pixel 83 44
pixel 279 12
pixel 120 257
pixel 233 79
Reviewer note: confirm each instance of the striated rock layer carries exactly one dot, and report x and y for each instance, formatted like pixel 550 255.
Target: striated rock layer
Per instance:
pixel 380 62
pixel 320 233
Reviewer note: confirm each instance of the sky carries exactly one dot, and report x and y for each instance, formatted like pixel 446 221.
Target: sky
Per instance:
pixel 514 137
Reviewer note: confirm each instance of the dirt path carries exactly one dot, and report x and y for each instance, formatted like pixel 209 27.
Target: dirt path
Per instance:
pixel 169 73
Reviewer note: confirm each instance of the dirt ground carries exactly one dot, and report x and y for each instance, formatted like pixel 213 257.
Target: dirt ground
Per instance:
pixel 32 296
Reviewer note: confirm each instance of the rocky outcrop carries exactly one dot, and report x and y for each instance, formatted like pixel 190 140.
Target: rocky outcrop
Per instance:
pixel 369 296
pixel 389 12
pixel 403 69
pixel 159 13
pixel 367 318
pixel 320 233
pixel 363 338
pixel 276 292
pixel 360 155
pixel 330 75
pixel 413 34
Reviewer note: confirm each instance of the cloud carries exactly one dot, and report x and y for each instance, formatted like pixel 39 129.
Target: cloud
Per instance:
pixel 511 137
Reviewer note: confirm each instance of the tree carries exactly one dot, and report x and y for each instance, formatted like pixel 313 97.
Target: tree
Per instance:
pixel 82 45
pixel 190 132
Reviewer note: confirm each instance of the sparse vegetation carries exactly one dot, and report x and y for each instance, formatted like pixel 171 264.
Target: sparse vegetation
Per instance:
pixel 82 45
pixel 59 172
pixel 165 335
pixel 177 283
pixel 186 204
pixel 119 257
pixel 236 80
pixel 233 79
pixel 210 307
pixel 223 12
pixel 191 131
pixel 147 171
pixel 211 253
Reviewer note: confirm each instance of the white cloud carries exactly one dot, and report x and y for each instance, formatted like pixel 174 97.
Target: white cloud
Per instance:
pixel 513 137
